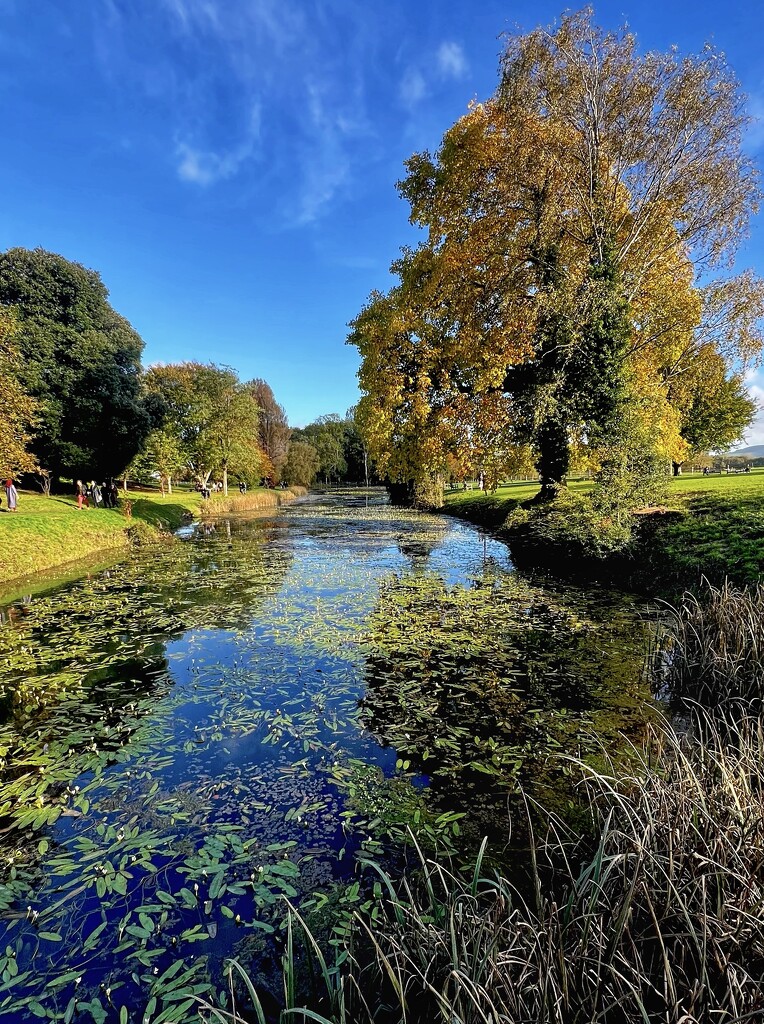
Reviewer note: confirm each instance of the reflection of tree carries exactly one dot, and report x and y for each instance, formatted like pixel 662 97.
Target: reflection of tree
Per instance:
pixel 418 548
pixel 483 684
pixel 362 528
pixel 87 664
pixel 118 623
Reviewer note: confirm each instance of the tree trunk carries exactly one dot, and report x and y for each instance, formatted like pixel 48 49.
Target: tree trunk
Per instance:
pixel 169 484
pixel 676 468
pixel 124 485
pixel 553 461
pixel 225 481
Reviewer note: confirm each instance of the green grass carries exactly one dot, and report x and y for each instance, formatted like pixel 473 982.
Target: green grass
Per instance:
pixel 49 532
pixel 513 493
pixel 717 530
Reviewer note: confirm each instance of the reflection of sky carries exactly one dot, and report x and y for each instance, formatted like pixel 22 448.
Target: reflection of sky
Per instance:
pixel 303 636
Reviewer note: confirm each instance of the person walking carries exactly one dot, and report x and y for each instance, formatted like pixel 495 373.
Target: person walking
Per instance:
pixel 97 496
pixel 11 495
pixel 79 490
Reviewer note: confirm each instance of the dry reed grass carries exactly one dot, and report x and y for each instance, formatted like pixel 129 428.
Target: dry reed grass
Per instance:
pixel 250 502
pixel 712 652
pixel 664 922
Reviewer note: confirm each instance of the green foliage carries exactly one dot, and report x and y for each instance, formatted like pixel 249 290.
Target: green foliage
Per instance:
pixel 302 464
pixel 571 522
pixel 719 415
pixel 17 409
pixel 81 363
pixel 327 437
pixel 341 449
pixel 211 420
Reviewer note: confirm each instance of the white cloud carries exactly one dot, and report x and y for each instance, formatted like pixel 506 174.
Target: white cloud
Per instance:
pixel 755 434
pixel 413 87
pixel 451 60
pixel 212 60
pixel 205 166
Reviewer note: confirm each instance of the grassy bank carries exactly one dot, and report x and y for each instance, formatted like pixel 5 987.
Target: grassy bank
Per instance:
pixel 255 500
pixel 48 534
pixel 713 527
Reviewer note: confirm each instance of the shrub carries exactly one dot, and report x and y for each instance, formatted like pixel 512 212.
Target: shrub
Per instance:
pixel 570 521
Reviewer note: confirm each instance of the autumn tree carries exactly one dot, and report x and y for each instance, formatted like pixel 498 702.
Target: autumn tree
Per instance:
pixel 273 428
pixel 80 362
pixel 211 416
pixel 579 228
pixel 17 409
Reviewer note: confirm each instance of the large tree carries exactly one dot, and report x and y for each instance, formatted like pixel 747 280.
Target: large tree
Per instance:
pixel 273 429
pixel 579 229
pixel 81 362
pixel 327 435
pixel 17 409
pixel 302 464
pixel 211 417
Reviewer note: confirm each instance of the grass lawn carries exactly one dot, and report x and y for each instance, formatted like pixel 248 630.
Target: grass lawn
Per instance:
pixel 49 532
pixel 508 495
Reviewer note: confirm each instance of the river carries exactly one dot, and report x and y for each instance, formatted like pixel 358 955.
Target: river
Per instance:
pixel 205 730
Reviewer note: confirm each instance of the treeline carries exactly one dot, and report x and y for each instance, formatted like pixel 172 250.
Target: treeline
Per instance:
pixel 75 401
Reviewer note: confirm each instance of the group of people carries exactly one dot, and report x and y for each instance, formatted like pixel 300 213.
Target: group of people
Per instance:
pixel 102 495
pixel 207 489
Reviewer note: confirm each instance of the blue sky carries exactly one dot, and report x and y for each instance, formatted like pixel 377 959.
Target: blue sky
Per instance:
pixel 229 165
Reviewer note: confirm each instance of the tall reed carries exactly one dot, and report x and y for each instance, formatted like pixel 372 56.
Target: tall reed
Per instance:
pixel 712 651
pixel 664 922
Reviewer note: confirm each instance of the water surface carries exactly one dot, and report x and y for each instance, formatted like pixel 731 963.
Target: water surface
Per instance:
pixel 203 731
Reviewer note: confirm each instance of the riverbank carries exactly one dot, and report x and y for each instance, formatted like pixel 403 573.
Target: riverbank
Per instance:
pixel 711 527
pixel 47 534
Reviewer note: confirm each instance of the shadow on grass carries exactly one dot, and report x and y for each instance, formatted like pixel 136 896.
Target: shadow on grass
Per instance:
pixel 487 510
pixel 164 517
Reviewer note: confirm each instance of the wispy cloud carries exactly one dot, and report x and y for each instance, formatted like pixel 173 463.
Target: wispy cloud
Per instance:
pixel 206 167
pixel 209 63
pixel 413 87
pixel 451 60
pixel 755 434
pixel 420 79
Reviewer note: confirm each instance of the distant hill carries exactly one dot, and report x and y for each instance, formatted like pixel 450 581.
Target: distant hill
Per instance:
pixel 756 451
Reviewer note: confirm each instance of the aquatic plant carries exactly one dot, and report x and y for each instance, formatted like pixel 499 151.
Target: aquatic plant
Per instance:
pixel 197 734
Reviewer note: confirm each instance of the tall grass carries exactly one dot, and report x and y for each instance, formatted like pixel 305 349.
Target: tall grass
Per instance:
pixel 663 922
pixel 713 650
pixel 252 500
